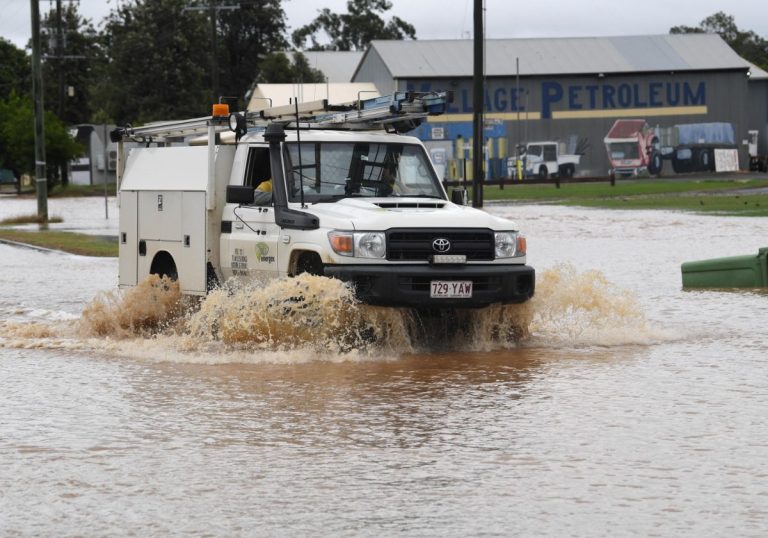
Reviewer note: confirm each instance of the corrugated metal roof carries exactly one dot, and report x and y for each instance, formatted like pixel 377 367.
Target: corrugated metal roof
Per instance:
pixel 560 56
pixel 337 66
pixel 756 73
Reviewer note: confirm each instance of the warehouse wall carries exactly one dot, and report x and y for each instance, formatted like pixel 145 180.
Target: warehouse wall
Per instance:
pixel 757 118
pixel 583 108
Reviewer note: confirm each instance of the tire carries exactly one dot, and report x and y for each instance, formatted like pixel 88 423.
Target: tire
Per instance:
pixel 655 164
pixel 309 262
pixel 567 170
pixel 681 166
pixel 543 172
pixel 704 160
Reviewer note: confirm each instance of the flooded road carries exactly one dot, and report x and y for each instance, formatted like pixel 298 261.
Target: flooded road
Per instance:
pixel 634 408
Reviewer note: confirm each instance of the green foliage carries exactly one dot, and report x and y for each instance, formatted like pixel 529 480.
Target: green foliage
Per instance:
pixel 747 44
pixel 355 29
pixel 303 72
pixel 156 68
pixel 70 62
pixel 278 69
pixel 17 137
pixel 248 35
pixel 15 73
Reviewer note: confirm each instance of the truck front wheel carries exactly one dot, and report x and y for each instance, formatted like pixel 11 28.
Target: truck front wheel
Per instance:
pixel 309 262
pixel 654 166
pixel 542 172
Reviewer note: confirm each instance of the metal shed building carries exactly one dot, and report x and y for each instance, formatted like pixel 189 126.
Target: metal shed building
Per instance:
pixel 572 90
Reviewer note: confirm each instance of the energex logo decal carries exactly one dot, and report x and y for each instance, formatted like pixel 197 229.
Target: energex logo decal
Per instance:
pixel 262 253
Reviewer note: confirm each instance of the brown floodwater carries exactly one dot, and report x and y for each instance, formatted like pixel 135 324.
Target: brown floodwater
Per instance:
pixel 613 404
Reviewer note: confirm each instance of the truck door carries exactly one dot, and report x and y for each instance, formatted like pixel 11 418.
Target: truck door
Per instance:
pixel 249 233
pixel 550 158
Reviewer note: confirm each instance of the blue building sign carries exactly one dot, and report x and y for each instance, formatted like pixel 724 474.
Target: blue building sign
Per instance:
pixel 555 96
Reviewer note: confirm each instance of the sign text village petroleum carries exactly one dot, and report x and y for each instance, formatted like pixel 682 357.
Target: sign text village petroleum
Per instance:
pixel 651 94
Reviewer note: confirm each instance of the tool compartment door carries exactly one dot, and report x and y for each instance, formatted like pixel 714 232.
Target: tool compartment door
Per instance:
pixel 192 267
pixel 128 238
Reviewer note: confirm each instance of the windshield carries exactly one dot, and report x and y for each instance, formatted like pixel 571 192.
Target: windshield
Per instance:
pixel 335 170
pixel 624 150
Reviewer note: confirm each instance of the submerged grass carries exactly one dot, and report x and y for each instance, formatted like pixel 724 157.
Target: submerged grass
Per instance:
pixel 74 243
pixel 32 218
pixel 81 190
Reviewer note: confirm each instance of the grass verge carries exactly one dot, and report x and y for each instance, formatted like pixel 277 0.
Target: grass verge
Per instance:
pixel 82 244
pixel 744 197
pixel 81 190
pixel 32 218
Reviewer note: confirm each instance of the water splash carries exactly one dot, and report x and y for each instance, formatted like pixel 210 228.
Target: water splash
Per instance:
pixel 317 318
pixel 573 308
pixel 305 311
pixel 153 305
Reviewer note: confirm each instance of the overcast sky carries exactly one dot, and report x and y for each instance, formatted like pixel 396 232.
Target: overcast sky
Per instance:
pixel 452 19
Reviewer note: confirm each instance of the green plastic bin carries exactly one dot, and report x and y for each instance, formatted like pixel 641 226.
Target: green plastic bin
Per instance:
pixel 733 272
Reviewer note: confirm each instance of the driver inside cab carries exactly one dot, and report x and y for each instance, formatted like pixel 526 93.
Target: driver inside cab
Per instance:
pixel 262 195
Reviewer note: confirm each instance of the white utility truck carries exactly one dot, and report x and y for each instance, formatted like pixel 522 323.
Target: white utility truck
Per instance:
pixel 352 198
pixel 545 160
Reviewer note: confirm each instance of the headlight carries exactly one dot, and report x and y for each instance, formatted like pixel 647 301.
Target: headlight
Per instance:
pixel 370 245
pixel 509 244
pixel 359 244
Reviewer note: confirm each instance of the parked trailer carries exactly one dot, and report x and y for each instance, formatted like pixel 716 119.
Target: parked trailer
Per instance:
pixel 634 148
pixel 691 146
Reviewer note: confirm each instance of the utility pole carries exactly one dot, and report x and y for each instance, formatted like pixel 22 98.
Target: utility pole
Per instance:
pixel 59 54
pixel 478 174
pixel 41 184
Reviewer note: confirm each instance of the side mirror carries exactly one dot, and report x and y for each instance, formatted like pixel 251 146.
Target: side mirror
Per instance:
pixel 459 196
pixel 239 194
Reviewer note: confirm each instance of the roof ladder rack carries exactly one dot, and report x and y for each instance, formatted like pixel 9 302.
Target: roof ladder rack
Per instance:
pixel 400 112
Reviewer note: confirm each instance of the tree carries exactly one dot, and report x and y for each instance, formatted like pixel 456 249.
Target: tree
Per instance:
pixel 277 68
pixel 355 29
pixel 303 72
pixel 69 62
pixel 248 35
pixel 17 138
pixel 15 70
pixel 747 44
pixel 154 66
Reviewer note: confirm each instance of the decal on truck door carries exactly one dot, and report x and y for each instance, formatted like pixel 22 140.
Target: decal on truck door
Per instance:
pixel 239 262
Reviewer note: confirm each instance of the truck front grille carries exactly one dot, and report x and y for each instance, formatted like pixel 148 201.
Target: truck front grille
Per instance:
pixel 477 244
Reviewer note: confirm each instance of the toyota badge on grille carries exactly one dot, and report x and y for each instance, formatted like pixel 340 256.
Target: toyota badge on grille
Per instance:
pixel 441 245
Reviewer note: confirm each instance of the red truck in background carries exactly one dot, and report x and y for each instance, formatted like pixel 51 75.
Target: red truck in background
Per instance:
pixel 635 148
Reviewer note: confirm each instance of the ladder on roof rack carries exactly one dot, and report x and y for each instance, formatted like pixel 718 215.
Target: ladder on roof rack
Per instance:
pixel 400 112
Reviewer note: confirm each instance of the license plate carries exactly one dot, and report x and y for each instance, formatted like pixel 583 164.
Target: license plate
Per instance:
pixel 450 289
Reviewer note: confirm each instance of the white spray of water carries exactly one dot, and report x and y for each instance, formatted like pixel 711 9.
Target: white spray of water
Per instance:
pixel 315 318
